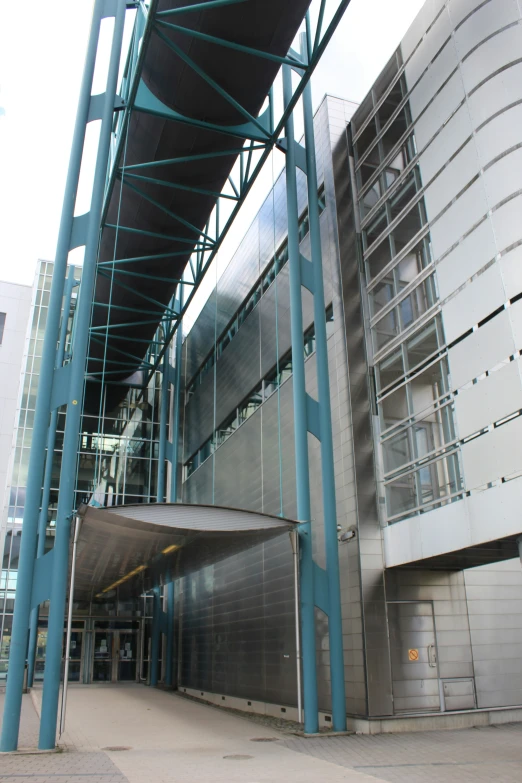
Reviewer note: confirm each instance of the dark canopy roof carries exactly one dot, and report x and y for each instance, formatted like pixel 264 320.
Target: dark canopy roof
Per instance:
pixel 268 25
pixel 136 547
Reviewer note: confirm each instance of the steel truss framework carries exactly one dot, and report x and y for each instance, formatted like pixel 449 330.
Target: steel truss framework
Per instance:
pixel 62 378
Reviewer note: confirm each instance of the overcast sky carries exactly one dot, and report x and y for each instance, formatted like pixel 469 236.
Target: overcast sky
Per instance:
pixel 41 61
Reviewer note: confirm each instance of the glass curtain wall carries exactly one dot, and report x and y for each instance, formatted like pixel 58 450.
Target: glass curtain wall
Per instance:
pixel 13 515
pixel 419 450
pixel 117 463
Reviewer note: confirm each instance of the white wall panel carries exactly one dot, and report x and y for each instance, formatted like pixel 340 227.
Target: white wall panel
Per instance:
pixel 433 79
pixel 500 91
pixel 504 177
pixel 492 55
pixel 442 530
pixel 494 455
pixel 459 218
pixel 515 316
pixel 506 223
pixel 499 135
pixel 418 27
pixel 477 300
pixel 439 110
pixel 494 397
pixel 476 250
pixel 445 144
pixel 451 180
pixel 459 9
pixel 511 265
pixel 430 45
pixel 485 20
pixel 495 513
pixel 484 516
pixel 481 351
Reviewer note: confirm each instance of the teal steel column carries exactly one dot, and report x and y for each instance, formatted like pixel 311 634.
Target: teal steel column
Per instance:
pixel 74 405
pixel 169 662
pixel 163 423
pixel 311 724
pixel 18 649
pixel 155 636
pixel 176 409
pixel 335 630
pixel 42 521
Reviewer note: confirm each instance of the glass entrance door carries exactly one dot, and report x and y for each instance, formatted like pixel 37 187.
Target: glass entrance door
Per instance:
pixel 127 648
pixel 75 655
pixel 102 656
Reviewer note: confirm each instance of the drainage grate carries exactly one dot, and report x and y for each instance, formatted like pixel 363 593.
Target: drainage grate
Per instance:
pixel 238 757
pixel 117 747
pixel 264 739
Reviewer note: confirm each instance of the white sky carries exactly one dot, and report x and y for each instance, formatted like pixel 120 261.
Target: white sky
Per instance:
pixel 41 62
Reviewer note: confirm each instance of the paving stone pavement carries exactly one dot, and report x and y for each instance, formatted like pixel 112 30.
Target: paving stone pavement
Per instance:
pixel 479 754
pixel 52 767
pixel 172 740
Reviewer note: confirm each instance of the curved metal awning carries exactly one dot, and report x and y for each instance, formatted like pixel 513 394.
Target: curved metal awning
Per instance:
pixel 135 547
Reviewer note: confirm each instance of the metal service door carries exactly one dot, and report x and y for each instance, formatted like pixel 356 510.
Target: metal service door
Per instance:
pixel 413 648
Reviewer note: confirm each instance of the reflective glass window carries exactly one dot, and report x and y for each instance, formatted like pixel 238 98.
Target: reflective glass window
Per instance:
pixel 422 345
pixel 386 329
pixel 381 294
pixel 401 495
pixel 379 258
pixel 375 228
pixel 402 196
pixel 363 112
pixel 251 404
pixel 397 451
pixel 366 139
pixel 393 408
pixel 395 131
pixel 408 227
pixel 370 198
pixel 390 370
pixel 393 98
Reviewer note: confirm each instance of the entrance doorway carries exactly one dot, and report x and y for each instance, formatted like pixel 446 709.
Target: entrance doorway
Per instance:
pixel 414 657
pixel 115 656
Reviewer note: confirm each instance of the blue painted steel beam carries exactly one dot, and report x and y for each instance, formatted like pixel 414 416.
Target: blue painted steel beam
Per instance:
pixel 335 630
pixel 155 636
pixel 169 662
pixel 163 423
pixel 51 438
pixel 304 514
pixel 53 660
pixel 231 44
pixel 18 648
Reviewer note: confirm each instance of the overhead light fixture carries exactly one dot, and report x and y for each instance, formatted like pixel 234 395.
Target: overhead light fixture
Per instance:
pixel 171 548
pixel 125 578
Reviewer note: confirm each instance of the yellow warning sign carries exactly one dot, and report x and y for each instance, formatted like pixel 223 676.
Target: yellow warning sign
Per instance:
pixel 413 655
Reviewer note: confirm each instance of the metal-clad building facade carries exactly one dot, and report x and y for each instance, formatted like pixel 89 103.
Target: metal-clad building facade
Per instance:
pixel 420 241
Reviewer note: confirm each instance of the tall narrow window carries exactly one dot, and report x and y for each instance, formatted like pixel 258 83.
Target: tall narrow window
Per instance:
pixel 2 324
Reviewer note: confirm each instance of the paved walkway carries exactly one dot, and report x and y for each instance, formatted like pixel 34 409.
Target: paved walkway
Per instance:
pixel 464 755
pixel 165 738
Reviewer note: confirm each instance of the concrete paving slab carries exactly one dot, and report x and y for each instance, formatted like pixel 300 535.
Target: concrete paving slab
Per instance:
pixel 173 740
